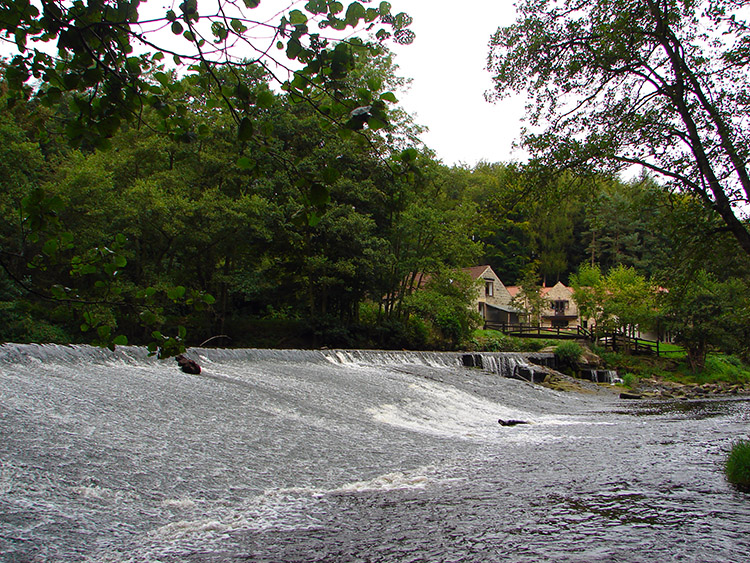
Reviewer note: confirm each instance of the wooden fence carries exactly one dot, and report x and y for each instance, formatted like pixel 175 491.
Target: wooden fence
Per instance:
pixel 613 340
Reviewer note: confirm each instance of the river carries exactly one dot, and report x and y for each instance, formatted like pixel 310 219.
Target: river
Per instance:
pixel 301 456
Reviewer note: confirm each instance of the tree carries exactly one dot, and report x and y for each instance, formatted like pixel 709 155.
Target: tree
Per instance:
pixel 100 60
pixel 626 225
pixel 104 90
pixel 530 298
pixel 623 300
pixel 704 313
pixel 446 303
pixel 662 84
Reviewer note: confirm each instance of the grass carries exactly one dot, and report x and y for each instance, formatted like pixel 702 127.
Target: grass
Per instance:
pixel 719 368
pixel 496 341
pixel 737 466
pixel 569 352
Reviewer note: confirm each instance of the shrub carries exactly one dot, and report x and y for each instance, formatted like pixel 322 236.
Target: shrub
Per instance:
pixel 629 380
pixel 737 467
pixel 568 352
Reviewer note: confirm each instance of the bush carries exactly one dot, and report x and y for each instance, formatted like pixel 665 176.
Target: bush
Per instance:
pixel 737 467
pixel 629 380
pixel 568 352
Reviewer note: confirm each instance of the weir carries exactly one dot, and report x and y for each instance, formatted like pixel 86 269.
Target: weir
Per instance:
pixel 344 455
pixel 515 365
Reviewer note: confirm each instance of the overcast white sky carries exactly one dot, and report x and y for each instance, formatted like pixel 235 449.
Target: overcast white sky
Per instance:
pixel 447 64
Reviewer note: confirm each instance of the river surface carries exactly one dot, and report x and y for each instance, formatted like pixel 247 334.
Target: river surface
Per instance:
pixel 292 456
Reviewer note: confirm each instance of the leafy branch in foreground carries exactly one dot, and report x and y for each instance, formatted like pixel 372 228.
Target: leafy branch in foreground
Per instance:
pixel 100 58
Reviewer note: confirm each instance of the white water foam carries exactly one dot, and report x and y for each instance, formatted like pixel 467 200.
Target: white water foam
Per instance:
pixel 443 410
pixel 390 481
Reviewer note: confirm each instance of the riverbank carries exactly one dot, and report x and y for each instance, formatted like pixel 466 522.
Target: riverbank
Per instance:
pixel 656 388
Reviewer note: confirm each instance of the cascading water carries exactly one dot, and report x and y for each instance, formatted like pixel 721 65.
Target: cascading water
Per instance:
pixel 282 455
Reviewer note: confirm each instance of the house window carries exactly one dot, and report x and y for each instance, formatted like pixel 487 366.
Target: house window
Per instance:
pixel 559 307
pixel 488 288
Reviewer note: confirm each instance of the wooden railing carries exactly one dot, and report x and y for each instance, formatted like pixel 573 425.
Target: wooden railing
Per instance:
pixel 614 340
pixel 537 331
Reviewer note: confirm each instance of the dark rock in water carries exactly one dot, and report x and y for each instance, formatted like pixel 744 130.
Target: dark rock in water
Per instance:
pixel 511 422
pixel 625 395
pixel 472 360
pixel 187 365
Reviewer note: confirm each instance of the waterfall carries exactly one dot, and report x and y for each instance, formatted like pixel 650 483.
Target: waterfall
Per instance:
pixel 507 364
pixel 600 375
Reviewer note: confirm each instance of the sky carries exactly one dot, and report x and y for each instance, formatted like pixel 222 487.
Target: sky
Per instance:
pixel 447 64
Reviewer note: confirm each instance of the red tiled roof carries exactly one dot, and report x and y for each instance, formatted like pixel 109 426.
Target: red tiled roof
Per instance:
pixel 476 271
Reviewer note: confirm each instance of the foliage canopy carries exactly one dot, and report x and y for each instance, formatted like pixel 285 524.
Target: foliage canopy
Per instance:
pixel 662 84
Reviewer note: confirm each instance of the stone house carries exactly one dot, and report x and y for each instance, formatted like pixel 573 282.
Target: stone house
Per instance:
pixel 493 300
pixel 563 310
pixel 560 309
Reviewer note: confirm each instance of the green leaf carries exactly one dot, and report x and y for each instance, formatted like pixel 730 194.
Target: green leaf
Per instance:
pixel 120 340
pixel 374 83
pixel 265 99
pixel 330 175
pixel 58 291
pixel 354 13
pixel 21 39
pixel 251 3
pixel 389 97
pixel 50 247
pixel 319 195
pixel 296 17
pixel 103 332
pixel 244 163
pixel 147 317
pixel 177 28
pixel 317 6
pixel 409 155
pixel 245 130
pixel 175 293
pixel 53 94
pixel 219 31
pixel 209 299
pixel 313 219
pixel 238 26
pixel 293 48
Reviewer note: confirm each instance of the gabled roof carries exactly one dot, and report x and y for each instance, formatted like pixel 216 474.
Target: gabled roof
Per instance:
pixel 476 271
pixel 544 290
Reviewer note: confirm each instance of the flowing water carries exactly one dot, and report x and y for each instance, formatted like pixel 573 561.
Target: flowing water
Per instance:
pixel 292 456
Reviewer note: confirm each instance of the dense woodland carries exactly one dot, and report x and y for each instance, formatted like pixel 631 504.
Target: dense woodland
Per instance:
pixel 190 224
